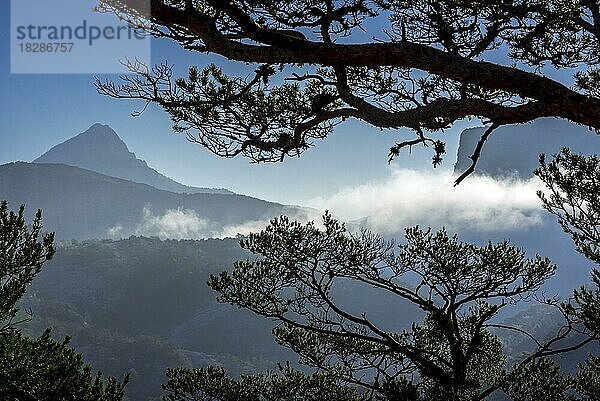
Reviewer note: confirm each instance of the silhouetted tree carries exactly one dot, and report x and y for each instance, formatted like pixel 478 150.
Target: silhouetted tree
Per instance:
pixel 453 354
pixel 424 65
pixel 417 64
pixel 573 183
pixel 21 259
pixel 39 369
pixel 573 196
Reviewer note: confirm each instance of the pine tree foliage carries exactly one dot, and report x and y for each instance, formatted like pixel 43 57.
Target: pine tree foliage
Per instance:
pixel 452 354
pixel 41 369
pixel 314 64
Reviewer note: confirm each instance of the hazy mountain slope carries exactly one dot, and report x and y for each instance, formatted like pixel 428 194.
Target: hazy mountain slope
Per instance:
pixel 100 149
pixel 120 300
pixel 516 147
pixel 142 305
pixel 82 204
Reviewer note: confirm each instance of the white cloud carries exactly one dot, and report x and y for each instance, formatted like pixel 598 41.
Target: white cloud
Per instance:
pixel 174 223
pixel 187 224
pixel 405 198
pixel 410 197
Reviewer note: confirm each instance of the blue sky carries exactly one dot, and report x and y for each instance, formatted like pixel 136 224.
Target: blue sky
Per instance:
pixel 41 110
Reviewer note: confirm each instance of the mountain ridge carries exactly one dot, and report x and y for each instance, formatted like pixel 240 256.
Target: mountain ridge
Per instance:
pixel 100 149
pixel 89 204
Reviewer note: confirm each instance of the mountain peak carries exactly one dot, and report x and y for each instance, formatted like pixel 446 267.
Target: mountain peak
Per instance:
pixel 99 129
pixel 100 149
pixel 97 140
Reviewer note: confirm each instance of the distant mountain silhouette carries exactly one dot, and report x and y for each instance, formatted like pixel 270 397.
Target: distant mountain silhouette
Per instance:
pixel 515 148
pixel 82 204
pixel 100 149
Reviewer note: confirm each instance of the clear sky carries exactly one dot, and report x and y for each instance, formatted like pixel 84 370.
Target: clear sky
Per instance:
pixel 41 110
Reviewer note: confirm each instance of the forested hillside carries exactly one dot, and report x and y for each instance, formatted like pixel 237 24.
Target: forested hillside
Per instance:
pixel 142 305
